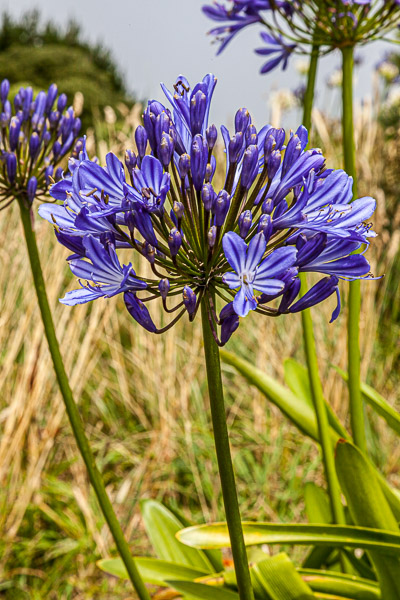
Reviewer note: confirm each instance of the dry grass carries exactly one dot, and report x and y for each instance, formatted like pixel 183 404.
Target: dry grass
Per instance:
pixel 144 402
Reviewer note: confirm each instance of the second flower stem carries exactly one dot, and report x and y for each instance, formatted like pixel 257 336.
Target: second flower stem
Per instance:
pixel 72 409
pixel 353 324
pixel 225 467
pixel 310 347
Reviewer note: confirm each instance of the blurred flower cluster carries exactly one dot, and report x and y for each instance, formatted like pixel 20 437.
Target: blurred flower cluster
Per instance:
pixel 280 212
pixel 36 133
pixel 292 26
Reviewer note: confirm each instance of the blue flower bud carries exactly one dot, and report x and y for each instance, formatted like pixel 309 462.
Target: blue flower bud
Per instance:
pixel 46 137
pixel 174 241
pixel 34 145
pixel 268 206
pixel 56 149
pixel 250 167
pixel 7 110
pixel 11 164
pixel 242 119
pixel 4 89
pixel 184 165
pixel 265 226
pixel 289 294
pixel 208 196
pixel 76 127
pixel 27 95
pixel 48 174
pixel 51 96
pixel 4 120
pixel 31 189
pixel 54 119
pixel 245 222
pixel 212 236
pixel 235 146
pixel 292 152
pixel 141 138
pixel 162 126
pixel 273 163
pixel 210 169
pixel 198 160
pixel 59 174
pixel 163 288
pixel 189 299
pixel 39 107
pixel 165 149
pixel 149 252
pixel 179 210
pixel 17 101
pixel 130 160
pixel 153 109
pixel 251 136
pixel 138 310
pixel 221 207
pixel 229 322
pixel 62 102
pixel 198 107
pixel 211 136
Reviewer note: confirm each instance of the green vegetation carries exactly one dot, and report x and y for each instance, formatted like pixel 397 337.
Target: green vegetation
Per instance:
pixel 40 54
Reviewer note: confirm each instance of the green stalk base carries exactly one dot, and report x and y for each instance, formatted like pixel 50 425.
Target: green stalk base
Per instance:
pixel 227 477
pixel 71 408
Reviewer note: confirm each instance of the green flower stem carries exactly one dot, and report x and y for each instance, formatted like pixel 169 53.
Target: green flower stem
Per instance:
pixel 310 347
pixel 227 477
pixel 309 95
pixel 353 324
pixel 72 409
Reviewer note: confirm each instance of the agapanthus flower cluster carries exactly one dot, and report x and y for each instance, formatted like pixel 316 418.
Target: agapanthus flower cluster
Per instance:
pixel 240 244
pixel 36 133
pixel 293 26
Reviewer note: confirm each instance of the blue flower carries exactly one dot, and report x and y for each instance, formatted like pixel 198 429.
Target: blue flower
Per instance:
pixel 152 183
pixel 292 215
pixel 104 275
pixel 276 46
pixel 36 138
pixel 251 272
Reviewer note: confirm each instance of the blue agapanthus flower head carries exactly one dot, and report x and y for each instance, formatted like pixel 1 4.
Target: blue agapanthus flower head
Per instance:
pixel 293 26
pixel 235 243
pixel 37 132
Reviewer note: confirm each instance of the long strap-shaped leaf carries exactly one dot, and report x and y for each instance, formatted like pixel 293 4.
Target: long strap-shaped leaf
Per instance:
pixel 215 535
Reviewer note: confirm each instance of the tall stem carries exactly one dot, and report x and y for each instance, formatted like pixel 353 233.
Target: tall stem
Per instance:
pixel 310 347
pixel 353 324
pixel 72 409
pixel 225 466
pixel 310 88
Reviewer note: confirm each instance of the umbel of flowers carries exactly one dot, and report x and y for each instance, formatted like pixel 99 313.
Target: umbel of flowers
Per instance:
pixel 36 133
pixel 280 212
pixel 294 25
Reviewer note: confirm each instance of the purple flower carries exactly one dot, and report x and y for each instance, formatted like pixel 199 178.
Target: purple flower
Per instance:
pixel 103 274
pixel 251 272
pixel 292 215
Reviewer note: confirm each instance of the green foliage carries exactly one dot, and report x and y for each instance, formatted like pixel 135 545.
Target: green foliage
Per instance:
pixel 35 54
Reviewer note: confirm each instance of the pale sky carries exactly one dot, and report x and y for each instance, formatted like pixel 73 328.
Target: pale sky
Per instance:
pixel 157 40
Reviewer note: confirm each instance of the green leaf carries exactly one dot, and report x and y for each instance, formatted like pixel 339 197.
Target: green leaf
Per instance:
pixel 214 556
pixel 152 570
pixel 341 584
pixel 200 591
pixel 215 535
pixel 318 508
pixel 368 507
pixel 296 409
pixel 378 403
pixel 161 526
pixel 280 580
pixel 296 377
